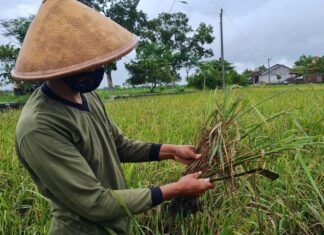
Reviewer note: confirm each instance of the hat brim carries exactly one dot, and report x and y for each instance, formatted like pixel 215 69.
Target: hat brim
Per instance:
pixel 77 68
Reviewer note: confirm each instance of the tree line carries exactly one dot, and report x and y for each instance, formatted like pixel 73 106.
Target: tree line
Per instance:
pixel 168 48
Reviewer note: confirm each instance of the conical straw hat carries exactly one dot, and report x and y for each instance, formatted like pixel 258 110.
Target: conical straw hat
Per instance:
pixel 67 37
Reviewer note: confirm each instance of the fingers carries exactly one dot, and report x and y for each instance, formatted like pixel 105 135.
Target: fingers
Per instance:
pixel 204 179
pixel 191 147
pixel 192 155
pixel 198 156
pixel 184 160
pixel 187 152
pixel 193 185
pixel 187 156
pixel 209 185
pixel 188 146
pixel 207 182
pixel 195 175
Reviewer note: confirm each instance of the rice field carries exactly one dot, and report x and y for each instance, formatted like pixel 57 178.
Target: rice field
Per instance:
pixel 292 204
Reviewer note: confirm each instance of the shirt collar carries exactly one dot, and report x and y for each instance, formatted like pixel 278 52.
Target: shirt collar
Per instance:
pixel 48 92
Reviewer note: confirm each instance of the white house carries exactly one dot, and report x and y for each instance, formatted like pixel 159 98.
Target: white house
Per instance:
pixel 278 74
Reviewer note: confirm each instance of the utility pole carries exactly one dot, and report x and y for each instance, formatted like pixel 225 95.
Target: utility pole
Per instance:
pixel 222 48
pixel 204 83
pixel 269 68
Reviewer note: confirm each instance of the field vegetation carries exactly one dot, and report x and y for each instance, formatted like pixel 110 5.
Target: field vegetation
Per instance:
pixel 104 93
pixel 292 204
pixel 10 97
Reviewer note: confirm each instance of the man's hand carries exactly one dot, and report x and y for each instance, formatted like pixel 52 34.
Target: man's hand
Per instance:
pixel 184 154
pixel 189 185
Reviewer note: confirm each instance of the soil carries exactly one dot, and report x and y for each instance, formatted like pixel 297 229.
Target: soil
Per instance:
pixel 185 206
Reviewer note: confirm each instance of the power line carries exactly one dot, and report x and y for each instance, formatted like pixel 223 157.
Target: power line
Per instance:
pixel 173 4
pixel 237 28
pixel 216 4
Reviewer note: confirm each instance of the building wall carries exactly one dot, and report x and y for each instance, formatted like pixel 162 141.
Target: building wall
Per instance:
pixel 314 77
pixel 281 71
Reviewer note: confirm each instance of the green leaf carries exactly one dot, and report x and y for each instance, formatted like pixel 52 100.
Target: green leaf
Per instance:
pixel 309 175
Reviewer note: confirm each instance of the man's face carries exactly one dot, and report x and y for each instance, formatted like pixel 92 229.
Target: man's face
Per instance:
pixel 85 82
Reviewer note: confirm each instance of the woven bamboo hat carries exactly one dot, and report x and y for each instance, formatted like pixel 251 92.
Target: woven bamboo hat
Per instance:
pixel 67 37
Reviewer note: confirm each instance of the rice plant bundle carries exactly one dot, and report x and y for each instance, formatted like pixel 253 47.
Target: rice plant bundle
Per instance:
pixel 232 147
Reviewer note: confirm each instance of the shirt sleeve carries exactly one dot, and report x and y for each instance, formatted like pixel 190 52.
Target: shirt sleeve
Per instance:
pixel 132 150
pixel 63 171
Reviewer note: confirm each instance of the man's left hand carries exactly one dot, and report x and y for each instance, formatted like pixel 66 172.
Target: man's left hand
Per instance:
pixel 184 154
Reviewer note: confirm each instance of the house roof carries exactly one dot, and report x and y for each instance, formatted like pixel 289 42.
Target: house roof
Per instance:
pixel 273 68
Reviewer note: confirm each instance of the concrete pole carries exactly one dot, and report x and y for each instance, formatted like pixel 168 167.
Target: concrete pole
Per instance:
pixel 269 68
pixel 222 48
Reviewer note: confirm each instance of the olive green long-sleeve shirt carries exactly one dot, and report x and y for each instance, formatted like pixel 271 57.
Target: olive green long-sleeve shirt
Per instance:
pixel 73 153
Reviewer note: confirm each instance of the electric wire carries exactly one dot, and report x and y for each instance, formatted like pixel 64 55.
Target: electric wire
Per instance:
pixel 236 27
pixel 172 6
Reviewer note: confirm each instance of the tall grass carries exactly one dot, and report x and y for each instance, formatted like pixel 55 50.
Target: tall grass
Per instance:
pixel 290 205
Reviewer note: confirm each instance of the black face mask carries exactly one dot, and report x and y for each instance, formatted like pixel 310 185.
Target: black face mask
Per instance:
pixel 85 82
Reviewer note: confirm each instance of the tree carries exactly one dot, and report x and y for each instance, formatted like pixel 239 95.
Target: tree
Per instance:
pixel 309 64
pixel 233 77
pixel 15 30
pixel 304 61
pixel 125 13
pixel 249 76
pixel 195 50
pixel 8 56
pixel 149 68
pixel 208 74
pixel 261 69
pixel 184 45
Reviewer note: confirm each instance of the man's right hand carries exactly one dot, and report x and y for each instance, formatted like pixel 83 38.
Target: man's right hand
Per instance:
pixel 189 185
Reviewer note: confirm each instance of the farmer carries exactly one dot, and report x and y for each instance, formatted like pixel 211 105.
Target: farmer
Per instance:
pixel 71 148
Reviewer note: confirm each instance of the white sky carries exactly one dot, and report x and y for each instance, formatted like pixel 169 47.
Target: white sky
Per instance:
pixel 254 30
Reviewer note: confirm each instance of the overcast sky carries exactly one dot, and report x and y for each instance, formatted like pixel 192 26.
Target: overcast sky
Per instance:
pixel 254 30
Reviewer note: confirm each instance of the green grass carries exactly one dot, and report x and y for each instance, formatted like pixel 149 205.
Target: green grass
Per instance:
pixel 10 97
pixel 290 205
pixel 105 93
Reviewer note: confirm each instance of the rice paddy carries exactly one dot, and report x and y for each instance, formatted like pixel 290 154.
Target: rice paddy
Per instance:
pixel 292 204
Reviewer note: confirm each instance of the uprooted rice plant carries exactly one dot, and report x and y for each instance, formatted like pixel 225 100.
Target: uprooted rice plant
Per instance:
pixel 232 148
pixel 292 204
pixel 229 145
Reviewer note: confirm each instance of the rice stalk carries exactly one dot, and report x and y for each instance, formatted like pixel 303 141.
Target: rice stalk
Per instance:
pixel 228 145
